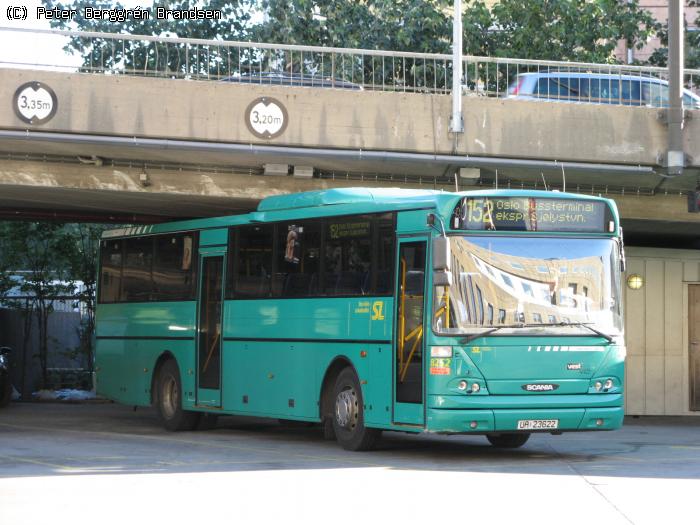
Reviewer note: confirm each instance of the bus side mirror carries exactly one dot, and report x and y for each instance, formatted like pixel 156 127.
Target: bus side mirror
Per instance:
pixel 442 278
pixel 621 247
pixel 441 254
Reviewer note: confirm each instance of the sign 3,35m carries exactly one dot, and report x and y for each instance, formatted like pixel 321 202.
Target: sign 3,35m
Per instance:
pixel 34 103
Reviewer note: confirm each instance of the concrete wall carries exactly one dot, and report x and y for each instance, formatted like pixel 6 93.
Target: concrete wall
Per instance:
pixel 214 111
pixel 656 325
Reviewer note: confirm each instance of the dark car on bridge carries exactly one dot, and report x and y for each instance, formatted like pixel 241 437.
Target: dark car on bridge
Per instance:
pixel 276 78
pixel 597 88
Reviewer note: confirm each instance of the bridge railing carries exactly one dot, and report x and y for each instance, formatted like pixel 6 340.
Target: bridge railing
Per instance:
pixel 340 68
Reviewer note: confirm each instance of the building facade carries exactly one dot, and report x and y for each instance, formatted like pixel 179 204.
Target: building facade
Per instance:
pixel 662 327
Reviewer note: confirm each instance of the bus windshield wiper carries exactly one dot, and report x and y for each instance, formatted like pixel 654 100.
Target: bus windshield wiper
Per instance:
pixel 471 337
pixel 585 325
pixel 594 330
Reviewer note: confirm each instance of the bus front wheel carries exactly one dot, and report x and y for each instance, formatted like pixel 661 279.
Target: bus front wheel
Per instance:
pixel 168 400
pixel 348 414
pixel 508 440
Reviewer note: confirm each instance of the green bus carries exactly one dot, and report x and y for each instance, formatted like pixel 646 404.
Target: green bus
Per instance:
pixel 495 313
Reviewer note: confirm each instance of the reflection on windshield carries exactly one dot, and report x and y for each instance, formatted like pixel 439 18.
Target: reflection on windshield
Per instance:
pixel 531 281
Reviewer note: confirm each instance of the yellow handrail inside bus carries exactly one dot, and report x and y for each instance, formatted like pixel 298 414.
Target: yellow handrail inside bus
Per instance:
pixel 211 350
pixel 402 309
pixel 445 308
pixel 418 334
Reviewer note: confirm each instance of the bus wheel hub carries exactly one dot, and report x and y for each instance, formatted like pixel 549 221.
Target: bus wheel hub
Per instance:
pixel 346 409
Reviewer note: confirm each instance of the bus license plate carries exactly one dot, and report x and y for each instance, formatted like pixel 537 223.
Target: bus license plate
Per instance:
pixel 537 424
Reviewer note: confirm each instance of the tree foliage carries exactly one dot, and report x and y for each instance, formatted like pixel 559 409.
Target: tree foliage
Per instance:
pixel 692 43
pixel 130 56
pixel 39 252
pixel 82 265
pixel 581 30
pixel 44 261
pixel 396 25
pixel 570 30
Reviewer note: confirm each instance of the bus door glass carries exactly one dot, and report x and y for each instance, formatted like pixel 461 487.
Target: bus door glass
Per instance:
pixel 209 327
pixel 410 326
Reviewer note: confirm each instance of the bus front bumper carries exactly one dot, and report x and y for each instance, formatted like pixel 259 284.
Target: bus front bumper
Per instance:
pixel 486 414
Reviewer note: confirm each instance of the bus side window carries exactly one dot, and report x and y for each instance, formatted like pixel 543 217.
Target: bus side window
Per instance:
pixel 631 95
pixel 584 87
pixel 111 273
pixel 689 102
pixel 348 256
pixel 254 261
pixel 383 250
pixel 555 87
pixel 173 275
pixel 137 284
pixel 654 94
pixel 298 259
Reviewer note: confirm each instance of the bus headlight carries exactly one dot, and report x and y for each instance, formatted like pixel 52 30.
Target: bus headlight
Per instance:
pixel 605 384
pixel 462 385
pixel 475 387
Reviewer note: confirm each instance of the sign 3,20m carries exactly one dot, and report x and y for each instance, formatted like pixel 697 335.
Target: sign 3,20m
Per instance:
pixel 266 117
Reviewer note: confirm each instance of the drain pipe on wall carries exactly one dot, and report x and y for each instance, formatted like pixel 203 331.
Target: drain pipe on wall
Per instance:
pixel 457 122
pixel 675 157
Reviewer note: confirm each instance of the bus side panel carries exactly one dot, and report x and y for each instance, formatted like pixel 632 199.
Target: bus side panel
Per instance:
pixel 377 391
pixel 125 369
pixel 109 372
pixel 277 352
pixel 131 338
pixel 284 380
pixel 308 320
pixel 272 378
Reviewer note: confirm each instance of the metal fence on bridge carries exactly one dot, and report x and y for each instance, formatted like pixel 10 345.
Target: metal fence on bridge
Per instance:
pixel 341 68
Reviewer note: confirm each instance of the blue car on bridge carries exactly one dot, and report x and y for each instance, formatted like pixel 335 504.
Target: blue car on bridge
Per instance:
pixel 596 88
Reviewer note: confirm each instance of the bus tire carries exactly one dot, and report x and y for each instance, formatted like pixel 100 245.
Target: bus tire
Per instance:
pixel 5 391
pixel 348 414
pixel 168 399
pixel 327 429
pixel 508 440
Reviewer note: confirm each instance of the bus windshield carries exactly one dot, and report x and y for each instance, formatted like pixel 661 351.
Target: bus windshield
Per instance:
pixel 531 285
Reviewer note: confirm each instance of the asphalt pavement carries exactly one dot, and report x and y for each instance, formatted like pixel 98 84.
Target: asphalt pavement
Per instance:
pixel 106 463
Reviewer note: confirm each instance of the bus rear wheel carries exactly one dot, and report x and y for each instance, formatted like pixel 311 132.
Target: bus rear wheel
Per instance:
pixel 508 440
pixel 5 390
pixel 348 414
pixel 168 400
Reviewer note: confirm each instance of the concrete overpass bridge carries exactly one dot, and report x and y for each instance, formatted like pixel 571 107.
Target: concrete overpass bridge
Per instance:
pixel 149 129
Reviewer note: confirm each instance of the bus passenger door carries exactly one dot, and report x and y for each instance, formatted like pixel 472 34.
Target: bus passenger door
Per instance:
pixel 409 333
pixel 209 326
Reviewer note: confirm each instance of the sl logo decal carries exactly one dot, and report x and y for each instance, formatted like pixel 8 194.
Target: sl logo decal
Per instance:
pixel 378 311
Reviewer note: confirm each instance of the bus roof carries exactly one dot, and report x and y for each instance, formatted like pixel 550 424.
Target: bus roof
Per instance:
pixel 312 199
pixel 343 201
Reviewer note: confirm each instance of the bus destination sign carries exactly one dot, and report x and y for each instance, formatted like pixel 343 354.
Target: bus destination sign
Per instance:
pixel 534 214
